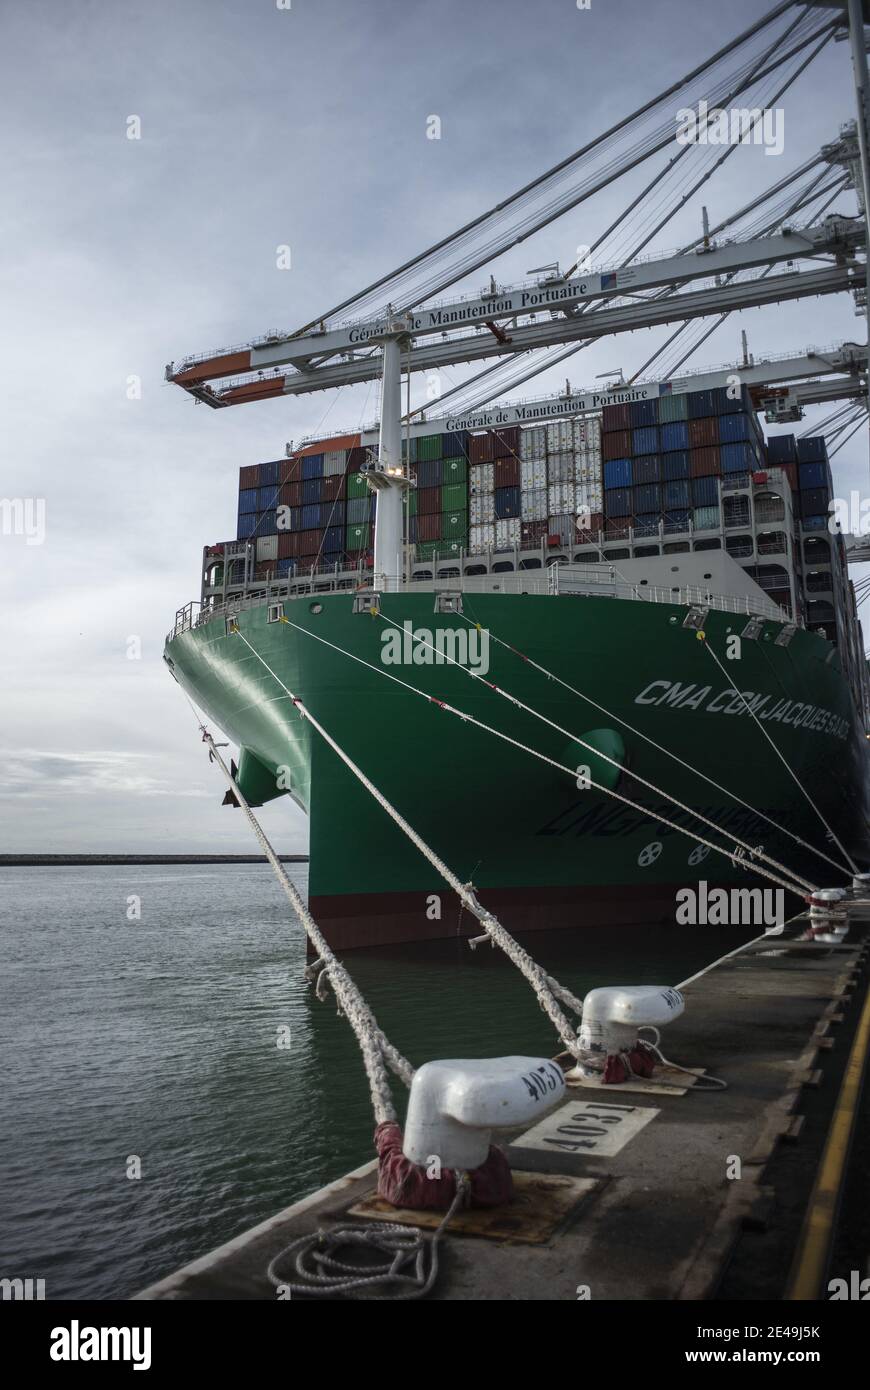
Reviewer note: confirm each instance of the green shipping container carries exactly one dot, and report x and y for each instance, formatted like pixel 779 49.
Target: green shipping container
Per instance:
pixel 426 550
pixel 428 447
pixel 413 455
pixel 455 525
pixel 454 470
pixel 673 408
pixel 357 486
pixel 411 501
pixel 454 497
pixel 358 537
pixel 706 518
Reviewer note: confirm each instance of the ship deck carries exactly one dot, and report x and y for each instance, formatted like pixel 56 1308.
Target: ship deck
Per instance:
pixel 682 1181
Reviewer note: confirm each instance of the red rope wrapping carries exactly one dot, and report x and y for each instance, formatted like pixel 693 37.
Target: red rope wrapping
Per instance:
pixel 406 1184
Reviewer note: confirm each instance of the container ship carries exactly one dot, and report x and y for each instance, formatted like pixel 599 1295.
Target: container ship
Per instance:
pixel 544 582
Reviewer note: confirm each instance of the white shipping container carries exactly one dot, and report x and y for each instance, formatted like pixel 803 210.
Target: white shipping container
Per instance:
pixel 334 462
pixel 533 442
pixel 533 474
pixel 479 537
pixel 560 498
pixel 267 548
pixel 560 436
pixel 533 504
pixel 589 499
pixel 560 468
pixel 481 509
pixel 507 533
pixel 480 479
pixel 587 434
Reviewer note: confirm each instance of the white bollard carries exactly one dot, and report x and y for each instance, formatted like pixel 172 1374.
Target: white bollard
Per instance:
pixel 455 1105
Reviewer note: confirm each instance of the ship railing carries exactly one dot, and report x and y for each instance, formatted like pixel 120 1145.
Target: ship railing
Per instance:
pixel 589 581
pixel 185 618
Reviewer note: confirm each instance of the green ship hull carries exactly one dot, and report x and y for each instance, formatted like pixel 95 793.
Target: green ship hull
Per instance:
pixel 541 851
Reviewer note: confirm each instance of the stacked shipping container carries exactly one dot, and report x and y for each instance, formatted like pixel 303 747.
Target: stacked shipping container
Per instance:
pixel 663 458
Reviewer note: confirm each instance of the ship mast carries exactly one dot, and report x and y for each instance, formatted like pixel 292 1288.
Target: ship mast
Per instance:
pixel 388 477
pixel 859 69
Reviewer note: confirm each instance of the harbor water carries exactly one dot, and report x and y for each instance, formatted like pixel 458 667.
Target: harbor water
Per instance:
pixel 170 1080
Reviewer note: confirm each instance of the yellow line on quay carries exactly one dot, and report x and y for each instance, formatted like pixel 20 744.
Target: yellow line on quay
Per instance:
pixel 814 1245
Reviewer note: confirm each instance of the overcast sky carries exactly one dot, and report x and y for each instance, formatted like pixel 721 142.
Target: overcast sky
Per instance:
pixel 263 126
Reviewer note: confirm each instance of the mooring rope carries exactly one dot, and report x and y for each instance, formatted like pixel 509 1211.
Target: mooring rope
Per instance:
pixel 319 1273
pixel 378 1052
pixel 536 976
pixel 669 753
pixel 614 762
pixel 789 769
pixel 533 752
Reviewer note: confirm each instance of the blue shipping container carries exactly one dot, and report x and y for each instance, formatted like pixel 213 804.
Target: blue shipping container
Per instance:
pixel 705 491
pixel 247 525
pixel 724 403
pixel 781 449
pixel 311 491
pixel 266 497
pixel 676 493
pixel 738 458
pixel 311 517
pixel 644 413
pixel 617 473
pixel 455 443
pixel 507 502
pixel 617 501
pixel 647 498
pixel 358 510
pixel 677 519
pixel 647 523
pixel 812 450
pixel 645 440
pixel 734 427
pixel 700 404
pixel 267 473
pixel 813 475
pixel 287 566
pixel 247 499
pixel 675 435
pixel 646 469
pixel 267 523
pixel 334 539
pixel 676 464
pixel 429 473
pixel 815 523
pixel 814 501
pixel 312 466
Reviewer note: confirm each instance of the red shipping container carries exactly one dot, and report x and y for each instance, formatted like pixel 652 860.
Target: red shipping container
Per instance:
pixel 616 445
pixel 506 442
pixel 704 463
pixel 791 472
pixel 533 532
pixel 356 459
pixel 429 525
pixel 290 470
pixel 480 448
pixel 290 494
pixel 332 487
pixel 703 432
pixel 616 527
pixel 429 501
pixel 506 472
pixel 248 475
pixel 288 544
pixel 615 417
